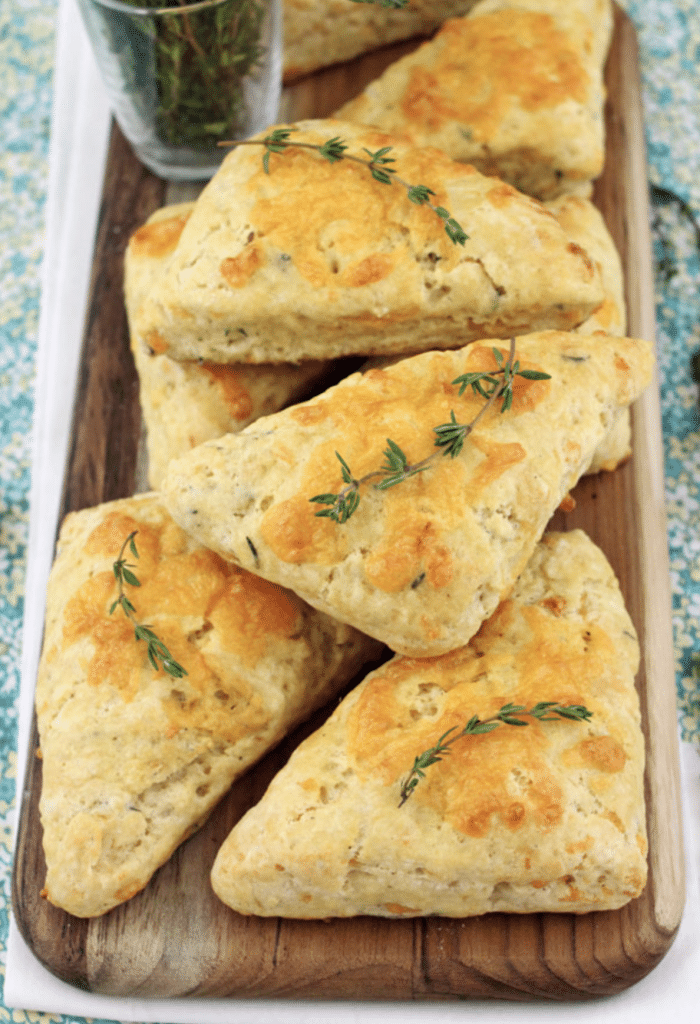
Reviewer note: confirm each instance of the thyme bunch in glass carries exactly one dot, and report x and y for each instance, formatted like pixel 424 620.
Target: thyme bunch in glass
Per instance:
pixel 545 711
pixel 492 385
pixel 123 574
pixel 200 58
pixel 379 164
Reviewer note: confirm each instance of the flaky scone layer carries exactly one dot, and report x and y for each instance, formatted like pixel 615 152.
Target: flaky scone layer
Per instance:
pixel 515 88
pixel 547 817
pixel 315 260
pixel 186 403
pixel 133 758
pixel 422 564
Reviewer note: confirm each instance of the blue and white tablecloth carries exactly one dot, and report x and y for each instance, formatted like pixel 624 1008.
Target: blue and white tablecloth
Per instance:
pixel 76 126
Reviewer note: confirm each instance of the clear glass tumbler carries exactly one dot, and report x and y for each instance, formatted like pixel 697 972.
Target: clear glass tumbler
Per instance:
pixel 182 75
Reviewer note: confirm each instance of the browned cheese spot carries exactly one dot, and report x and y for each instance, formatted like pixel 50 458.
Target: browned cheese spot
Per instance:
pixel 418 513
pixel 235 394
pixel 159 238
pixel 184 595
pixel 489 64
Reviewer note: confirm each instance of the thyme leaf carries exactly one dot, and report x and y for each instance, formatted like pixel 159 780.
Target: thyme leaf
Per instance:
pixel 509 714
pixel 493 386
pixel 379 163
pixel 156 649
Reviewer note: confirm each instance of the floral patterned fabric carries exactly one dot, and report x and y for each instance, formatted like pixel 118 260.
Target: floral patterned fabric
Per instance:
pixel 669 38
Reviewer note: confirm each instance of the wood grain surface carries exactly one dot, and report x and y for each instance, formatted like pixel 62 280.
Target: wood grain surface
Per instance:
pixel 175 938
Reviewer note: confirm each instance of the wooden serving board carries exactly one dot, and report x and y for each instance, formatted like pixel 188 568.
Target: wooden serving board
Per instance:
pixel 175 938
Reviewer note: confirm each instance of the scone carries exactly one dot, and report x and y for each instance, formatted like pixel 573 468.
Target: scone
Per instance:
pixel 318 260
pixel 134 758
pixel 322 32
pixel 419 565
pixel 547 817
pixel 184 404
pixel 514 88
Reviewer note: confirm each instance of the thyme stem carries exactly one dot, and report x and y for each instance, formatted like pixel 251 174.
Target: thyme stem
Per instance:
pixel 157 651
pixel 545 711
pixel 334 150
pixel 450 437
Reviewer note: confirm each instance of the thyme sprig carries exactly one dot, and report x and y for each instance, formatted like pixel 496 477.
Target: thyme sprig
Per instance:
pixel 509 714
pixel 123 574
pixel 379 164
pixel 491 385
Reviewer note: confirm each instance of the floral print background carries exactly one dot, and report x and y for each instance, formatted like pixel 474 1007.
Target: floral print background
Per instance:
pixel 669 37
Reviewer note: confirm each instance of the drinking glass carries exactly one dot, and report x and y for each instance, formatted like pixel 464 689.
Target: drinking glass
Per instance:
pixel 182 75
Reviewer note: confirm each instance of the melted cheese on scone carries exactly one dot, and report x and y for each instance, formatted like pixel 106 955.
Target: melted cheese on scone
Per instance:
pixel 318 260
pixel 543 817
pixel 419 565
pixel 514 88
pixel 133 758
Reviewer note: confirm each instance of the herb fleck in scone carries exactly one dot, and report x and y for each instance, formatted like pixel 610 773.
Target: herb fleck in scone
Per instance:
pixel 186 403
pixel 421 564
pixel 515 88
pixel 134 757
pixel 546 817
pixel 316 260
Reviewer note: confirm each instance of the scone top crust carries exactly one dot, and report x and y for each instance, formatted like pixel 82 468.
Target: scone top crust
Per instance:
pixel 514 88
pixel 544 817
pixel 419 565
pixel 135 758
pixel 315 259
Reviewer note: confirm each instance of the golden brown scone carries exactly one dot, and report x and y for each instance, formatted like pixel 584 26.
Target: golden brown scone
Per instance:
pixel 322 32
pixel 422 564
pixel 319 260
pixel 514 88
pixel 134 759
pixel 184 404
pixel 544 818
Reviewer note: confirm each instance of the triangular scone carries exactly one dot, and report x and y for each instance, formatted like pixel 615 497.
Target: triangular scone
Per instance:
pixel 134 759
pixel 318 260
pixel 547 817
pixel 184 404
pixel 421 564
pixel 514 88
pixel 322 32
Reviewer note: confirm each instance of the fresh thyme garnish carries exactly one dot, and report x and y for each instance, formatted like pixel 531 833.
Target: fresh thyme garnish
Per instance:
pixel 492 385
pixel 157 651
pixel 378 162
pixel 545 711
